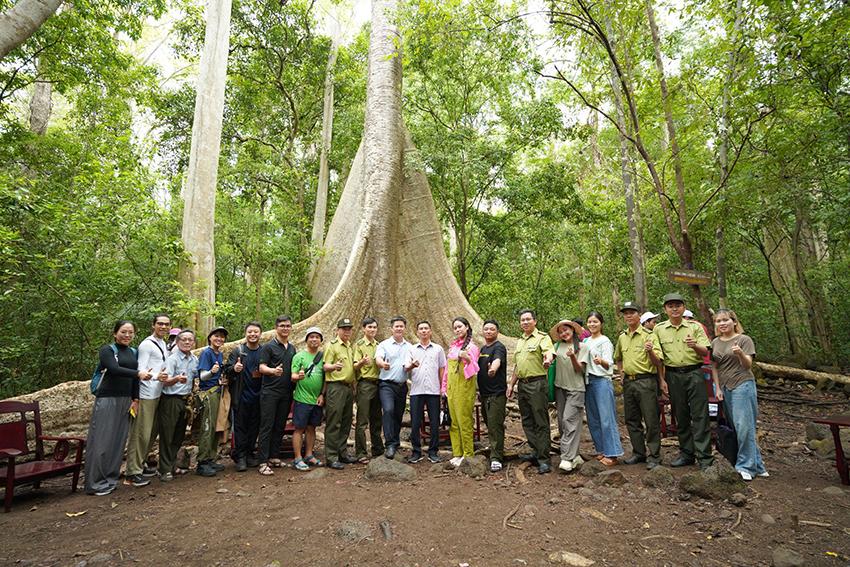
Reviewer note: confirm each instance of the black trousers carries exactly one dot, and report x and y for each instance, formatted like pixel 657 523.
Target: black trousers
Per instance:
pixel 417 416
pixel 274 411
pixel 246 428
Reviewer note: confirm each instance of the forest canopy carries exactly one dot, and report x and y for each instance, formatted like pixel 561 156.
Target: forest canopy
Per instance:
pixel 576 152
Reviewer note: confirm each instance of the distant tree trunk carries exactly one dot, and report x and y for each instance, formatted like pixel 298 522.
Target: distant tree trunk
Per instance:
pixel 321 210
pixel 723 148
pixel 197 273
pixel 19 22
pixel 41 105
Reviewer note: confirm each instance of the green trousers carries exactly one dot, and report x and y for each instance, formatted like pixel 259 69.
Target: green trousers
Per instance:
pixel 142 435
pixel 339 411
pixel 690 404
pixel 368 415
pixel 207 438
pixel 533 398
pixel 640 406
pixel 171 423
pixel 493 410
pixel 461 399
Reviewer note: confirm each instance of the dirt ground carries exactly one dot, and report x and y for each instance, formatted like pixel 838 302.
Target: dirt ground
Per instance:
pixel 447 518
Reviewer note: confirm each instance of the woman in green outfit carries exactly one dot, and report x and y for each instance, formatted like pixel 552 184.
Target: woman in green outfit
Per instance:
pixel 460 386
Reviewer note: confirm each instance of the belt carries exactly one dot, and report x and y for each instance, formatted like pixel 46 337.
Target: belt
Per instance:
pixel 683 369
pixel 340 383
pixel 183 397
pixel 532 379
pixel 631 377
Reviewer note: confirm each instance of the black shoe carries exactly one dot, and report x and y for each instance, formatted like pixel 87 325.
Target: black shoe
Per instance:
pixel 241 464
pixel 337 466
pixel 148 471
pixel 528 458
pixel 634 459
pixel 345 459
pixel 204 469
pixel 413 459
pixel 434 458
pixel 705 464
pixel 544 468
pixel 136 480
pixel 682 461
pixel 216 466
pixel 390 453
pixel 252 461
pixel 377 453
pixel 652 464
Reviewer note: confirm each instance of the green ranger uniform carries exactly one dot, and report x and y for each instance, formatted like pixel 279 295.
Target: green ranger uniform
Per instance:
pixel 368 402
pixel 686 384
pixel 339 399
pixel 640 391
pixel 533 391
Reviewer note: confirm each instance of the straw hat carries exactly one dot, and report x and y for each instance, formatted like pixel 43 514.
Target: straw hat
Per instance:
pixel 553 332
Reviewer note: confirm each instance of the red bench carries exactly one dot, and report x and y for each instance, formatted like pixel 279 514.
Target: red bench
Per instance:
pixel 34 468
pixel 835 422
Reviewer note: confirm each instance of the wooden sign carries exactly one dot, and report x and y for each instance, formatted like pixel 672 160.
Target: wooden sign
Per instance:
pixel 691 277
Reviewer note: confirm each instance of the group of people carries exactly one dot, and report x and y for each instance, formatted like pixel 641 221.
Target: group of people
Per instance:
pixel 162 385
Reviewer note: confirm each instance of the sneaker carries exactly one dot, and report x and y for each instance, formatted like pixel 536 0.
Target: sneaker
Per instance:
pixel 745 475
pixel 217 467
pixel 577 462
pixel 495 466
pixel 456 461
pixel 136 480
pixel 204 469
pixel 166 477
pixel 300 465
pixel 435 458
pixel 566 466
pixel 764 474
pixel 149 471
pixel 105 491
pixel 413 459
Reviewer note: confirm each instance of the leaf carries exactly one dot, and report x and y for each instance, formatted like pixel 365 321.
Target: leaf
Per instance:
pixel 75 514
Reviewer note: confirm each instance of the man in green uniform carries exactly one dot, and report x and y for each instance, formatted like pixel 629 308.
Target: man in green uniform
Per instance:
pixel 534 353
pixel 684 345
pixel 368 402
pixel 339 395
pixel 638 356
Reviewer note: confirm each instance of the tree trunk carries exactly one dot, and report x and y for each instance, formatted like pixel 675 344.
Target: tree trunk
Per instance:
pixel 321 210
pixel 197 273
pixel 800 374
pixel 384 250
pixel 18 23
pixel 723 148
pixel 41 105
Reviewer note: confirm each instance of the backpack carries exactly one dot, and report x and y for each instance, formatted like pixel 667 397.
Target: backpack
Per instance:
pixel 97 375
pixel 727 441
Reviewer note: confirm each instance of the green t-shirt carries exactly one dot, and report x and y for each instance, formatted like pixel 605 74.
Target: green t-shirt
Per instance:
pixel 307 390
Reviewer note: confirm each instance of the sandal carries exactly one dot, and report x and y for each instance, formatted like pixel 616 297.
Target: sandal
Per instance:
pixel 276 463
pixel 313 461
pixel 265 470
pixel 301 465
pixel 363 460
pixel 599 457
pixel 608 461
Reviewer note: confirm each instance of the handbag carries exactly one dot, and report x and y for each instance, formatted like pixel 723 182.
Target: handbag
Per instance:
pixel 727 440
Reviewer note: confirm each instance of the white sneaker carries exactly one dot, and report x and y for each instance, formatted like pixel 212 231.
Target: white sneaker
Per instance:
pixel 566 466
pixel 764 474
pixel 745 475
pixel 577 462
pixel 495 466
pixel 456 461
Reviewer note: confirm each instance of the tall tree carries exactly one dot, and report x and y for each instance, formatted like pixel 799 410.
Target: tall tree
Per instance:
pixel 197 272
pixel 22 20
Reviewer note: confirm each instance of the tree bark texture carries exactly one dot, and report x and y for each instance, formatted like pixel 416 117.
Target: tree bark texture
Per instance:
pixel 197 273
pixel 41 105
pixel 18 23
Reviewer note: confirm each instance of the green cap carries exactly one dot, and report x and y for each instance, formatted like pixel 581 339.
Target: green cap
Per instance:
pixel 343 323
pixel 630 305
pixel 673 297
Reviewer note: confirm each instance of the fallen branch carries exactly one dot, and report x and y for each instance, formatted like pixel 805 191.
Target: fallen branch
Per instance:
pixel 736 523
pixel 509 516
pixel 800 374
pixel 813 523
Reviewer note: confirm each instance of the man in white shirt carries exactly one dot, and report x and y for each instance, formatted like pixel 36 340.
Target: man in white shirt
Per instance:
pixel 429 362
pixel 394 357
pixel 152 354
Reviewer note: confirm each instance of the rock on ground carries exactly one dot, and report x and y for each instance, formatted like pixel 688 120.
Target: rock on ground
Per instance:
pixel 592 468
pixel 717 482
pixel 381 468
pixel 353 530
pixel 659 477
pixel 570 558
pixel 476 467
pixel 611 477
pixel 784 557
pixel 833 491
pixel 738 499
pixel 65 408
pixel 316 474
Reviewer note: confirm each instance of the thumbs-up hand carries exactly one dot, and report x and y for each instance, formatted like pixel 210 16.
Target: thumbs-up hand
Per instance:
pixel 145 374
pixel 215 368
pixel 163 375
pixel 647 346
pixel 690 341
pixel 238 366
pixel 736 349
pixel 278 371
pixel 338 366
pixel 181 378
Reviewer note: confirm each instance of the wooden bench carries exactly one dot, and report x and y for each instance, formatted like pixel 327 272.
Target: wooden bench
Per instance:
pixel 835 422
pixel 14 446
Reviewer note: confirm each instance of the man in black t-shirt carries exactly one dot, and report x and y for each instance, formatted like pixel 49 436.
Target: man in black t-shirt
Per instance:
pixel 276 394
pixel 492 388
pixel 243 372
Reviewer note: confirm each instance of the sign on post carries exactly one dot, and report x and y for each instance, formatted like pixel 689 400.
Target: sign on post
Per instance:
pixel 690 277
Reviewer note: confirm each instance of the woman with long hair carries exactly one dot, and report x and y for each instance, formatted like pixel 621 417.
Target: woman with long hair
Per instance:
pixel 732 355
pixel 599 398
pixel 567 373
pixel 460 387
pixel 116 400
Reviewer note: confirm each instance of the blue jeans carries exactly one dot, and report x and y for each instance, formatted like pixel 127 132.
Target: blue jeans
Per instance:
pixel 741 407
pixel 393 401
pixel 602 416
